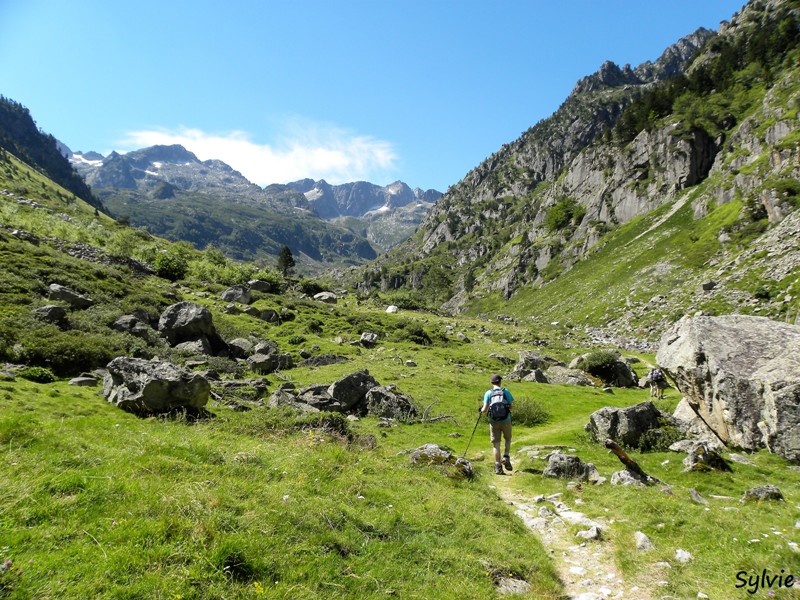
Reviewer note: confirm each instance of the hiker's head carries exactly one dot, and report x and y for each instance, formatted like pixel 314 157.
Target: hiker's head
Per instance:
pixel 496 379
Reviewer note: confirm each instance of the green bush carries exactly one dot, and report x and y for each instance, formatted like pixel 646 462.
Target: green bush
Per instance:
pixel 38 375
pixel 660 439
pixel 296 340
pixel 600 364
pixel 67 353
pixel 309 287
pixel 314 326
pixel 526 411
pixel 171 264
pixel 411 332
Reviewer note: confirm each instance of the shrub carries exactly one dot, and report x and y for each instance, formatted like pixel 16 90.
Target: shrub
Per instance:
pixel 412 332
pixel 526 411
pixel 600 364
pixel 314 326
pixel 309 287
pixel 38 375
pixel 171 264
pixel 661 438
pixel 296 340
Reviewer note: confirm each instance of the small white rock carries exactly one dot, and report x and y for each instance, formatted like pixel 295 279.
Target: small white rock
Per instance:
pixel 683 556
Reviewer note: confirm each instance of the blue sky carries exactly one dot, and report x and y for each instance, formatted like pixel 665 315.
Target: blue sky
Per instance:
pixel 342 90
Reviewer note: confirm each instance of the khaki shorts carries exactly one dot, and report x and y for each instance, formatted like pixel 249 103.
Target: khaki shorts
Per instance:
pixel 496 429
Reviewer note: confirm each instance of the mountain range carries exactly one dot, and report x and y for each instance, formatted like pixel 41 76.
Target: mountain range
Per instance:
pixel 653 191
pixel 323 223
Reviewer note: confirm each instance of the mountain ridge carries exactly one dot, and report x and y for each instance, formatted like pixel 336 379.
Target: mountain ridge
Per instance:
pixel 722 131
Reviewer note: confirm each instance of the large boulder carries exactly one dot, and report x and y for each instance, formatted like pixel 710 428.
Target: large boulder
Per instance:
pixel 145 387
pixel 741 375
pixel 386 401
pixel 624 425
pixel 352 389
pixel 189 322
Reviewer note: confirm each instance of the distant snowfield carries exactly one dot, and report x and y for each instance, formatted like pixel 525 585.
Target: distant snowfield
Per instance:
pixel 80 159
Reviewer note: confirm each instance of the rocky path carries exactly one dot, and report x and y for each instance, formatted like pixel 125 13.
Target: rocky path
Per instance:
pixel 585 562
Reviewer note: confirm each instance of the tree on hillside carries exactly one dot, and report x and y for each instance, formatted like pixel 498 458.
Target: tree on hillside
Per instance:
pixel 285 261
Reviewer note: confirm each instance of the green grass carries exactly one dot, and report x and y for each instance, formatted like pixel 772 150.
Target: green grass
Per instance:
pixel 102 504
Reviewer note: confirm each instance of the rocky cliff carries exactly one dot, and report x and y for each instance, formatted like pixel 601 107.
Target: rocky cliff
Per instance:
pixel 709 130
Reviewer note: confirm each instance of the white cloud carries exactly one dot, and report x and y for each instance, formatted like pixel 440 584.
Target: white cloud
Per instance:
pixel 305 150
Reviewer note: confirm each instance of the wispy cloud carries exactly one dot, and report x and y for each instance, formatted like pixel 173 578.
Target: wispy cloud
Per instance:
pixel 305 149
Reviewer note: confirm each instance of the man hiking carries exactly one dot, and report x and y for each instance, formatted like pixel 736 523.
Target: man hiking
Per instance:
pixel 497 404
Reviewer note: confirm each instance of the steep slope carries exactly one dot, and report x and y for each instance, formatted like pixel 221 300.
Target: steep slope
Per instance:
pixel 711 150
pixel 21 137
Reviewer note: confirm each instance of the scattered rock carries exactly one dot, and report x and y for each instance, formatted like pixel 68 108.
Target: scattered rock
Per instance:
pixel 189 322
pixel 683 556
pixel 568 466
pixel 131 324
pixel 762 493
pixel 257 285
pixel 83 381
pixel 742 460
pixel 432 454
pixel 327 297
pixel 270 316
pixel 240 348
pixel 702 458
pixel 352 390
pixel 564 376
pixel 71 297
pixel 697 497
pixel 643 542
pixel 52 313
pixel 387 402
pixel 392 309
pixel 237 293
pixel 627 477
pixel 368 339
pixel 512 586
pixel 593 533
pixel 323 360
pixel 624 425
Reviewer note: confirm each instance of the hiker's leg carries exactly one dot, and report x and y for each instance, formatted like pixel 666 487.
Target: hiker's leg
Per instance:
pixel 507 437
pixel 494 435
pixel 506 429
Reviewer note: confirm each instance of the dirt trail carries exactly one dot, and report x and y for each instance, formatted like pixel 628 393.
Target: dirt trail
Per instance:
pixel 586 566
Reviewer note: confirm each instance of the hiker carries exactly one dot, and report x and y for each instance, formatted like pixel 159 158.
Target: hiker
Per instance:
pixel 657 381
pixel 497 404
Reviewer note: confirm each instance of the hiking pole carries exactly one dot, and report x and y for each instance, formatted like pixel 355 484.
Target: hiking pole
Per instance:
pixel 480 414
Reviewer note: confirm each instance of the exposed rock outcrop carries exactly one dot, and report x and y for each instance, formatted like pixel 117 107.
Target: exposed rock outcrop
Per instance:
pixel 741 375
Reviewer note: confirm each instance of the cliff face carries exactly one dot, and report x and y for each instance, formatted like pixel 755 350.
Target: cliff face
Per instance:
pixel 712 123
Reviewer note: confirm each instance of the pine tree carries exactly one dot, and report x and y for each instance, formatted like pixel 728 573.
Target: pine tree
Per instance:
pixel 285 261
